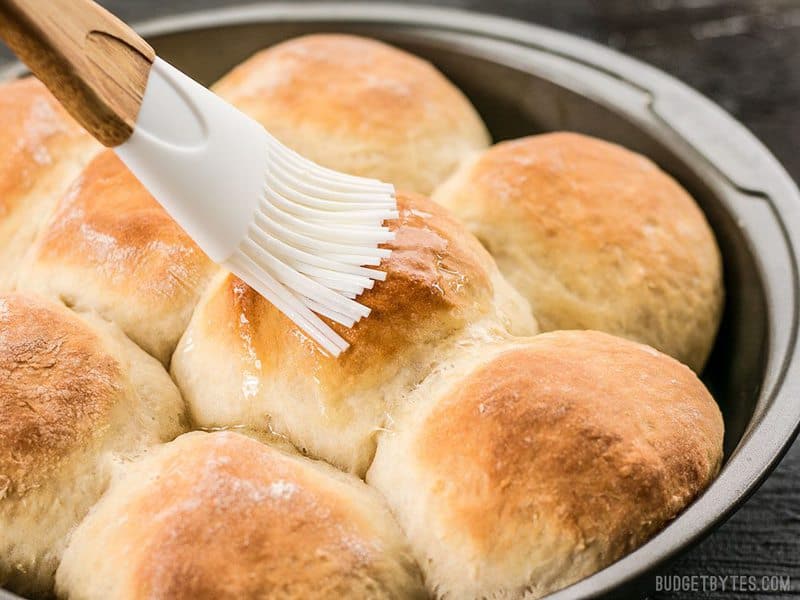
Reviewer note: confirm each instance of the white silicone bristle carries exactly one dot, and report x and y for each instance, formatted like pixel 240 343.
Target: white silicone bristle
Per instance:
pixel 313 236
pixel 302 235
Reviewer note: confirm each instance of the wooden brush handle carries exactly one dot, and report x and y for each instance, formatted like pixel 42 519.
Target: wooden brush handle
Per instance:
pixel 91 61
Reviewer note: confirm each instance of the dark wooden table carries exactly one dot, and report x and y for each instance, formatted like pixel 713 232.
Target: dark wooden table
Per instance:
pixel 746 56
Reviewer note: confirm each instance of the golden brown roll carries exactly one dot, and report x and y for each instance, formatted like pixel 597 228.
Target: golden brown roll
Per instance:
pixel 359 106
pixel 595 237
pixel 519 469
pixel 221 516
pixel 111 248
pixel 75 397
pixel 243 362
pixel 41 151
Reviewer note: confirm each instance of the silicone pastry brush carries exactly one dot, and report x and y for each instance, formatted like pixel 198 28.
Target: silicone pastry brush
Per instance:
pixel 302 235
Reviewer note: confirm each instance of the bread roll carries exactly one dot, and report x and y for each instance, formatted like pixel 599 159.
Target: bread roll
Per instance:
pixel 75 396
pixel 241 362
pixel 223 516
pixel 595 237
pixel 518 470
pixel 41 151
pixel 111 248
pixel 359 106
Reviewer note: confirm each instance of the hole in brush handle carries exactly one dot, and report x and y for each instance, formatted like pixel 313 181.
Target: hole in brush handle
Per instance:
pixel 169 111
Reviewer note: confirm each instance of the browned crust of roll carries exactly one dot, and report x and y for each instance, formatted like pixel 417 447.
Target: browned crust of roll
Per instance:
pixel 437 273
pixel 35 132
pixel 604 438
pixel 57 387
pixel 111 223
pixel 596 237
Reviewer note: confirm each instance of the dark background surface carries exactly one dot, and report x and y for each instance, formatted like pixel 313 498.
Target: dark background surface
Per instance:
pixel 745 55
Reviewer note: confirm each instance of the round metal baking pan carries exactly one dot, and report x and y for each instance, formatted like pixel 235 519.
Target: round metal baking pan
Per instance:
pixel 526 79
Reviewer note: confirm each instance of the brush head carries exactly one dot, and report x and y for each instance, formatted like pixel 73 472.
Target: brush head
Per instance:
pixel 303 236
pixel 314 235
